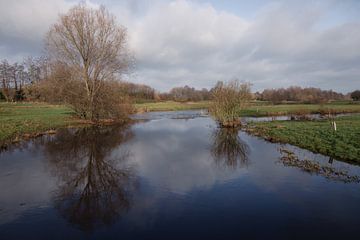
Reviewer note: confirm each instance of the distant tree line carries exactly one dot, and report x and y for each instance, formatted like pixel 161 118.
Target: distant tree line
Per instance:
pixel 298 94
pixel 140 92
pixel 17 76
pixel 29 80
pixel 186 93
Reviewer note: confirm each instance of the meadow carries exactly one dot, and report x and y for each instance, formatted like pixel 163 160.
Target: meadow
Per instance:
pixel 26 119
pixel 171 106
pixel 317 136
pixel 257 108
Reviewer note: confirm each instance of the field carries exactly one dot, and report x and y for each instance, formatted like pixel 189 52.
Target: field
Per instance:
pixel 316 136
pixel 17 119
pixel 171 106
pixel 257 109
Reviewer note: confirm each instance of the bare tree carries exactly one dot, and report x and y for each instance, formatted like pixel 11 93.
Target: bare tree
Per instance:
pixel 5 80
pixel 93 47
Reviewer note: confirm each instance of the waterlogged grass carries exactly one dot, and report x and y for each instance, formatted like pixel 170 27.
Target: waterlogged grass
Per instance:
pixel 316 136
pixel 17 119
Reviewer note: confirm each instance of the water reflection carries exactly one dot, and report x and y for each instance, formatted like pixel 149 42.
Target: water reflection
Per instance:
pixel 228 149
pixel 84 178
pixel 94 185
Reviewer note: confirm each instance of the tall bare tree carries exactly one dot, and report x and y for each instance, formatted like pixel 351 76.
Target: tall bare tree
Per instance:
pixel 93 47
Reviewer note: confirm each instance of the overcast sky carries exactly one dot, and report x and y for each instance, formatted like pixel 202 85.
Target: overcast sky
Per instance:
pixel 269 43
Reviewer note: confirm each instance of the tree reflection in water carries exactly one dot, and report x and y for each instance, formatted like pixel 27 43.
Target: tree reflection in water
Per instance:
pixel 228 149
pixel 94 184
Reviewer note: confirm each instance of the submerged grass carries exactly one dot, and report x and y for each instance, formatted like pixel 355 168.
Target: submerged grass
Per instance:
pixel 316 136
pixel 290 159
pixel 17 119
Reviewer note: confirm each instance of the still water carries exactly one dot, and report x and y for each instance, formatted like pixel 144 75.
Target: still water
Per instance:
pixel 170 177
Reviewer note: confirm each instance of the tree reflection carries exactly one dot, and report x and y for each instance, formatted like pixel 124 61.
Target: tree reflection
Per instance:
pixel 228 149
pixel 94 183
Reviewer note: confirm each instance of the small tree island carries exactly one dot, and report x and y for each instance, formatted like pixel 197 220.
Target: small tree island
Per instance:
pixel 229 99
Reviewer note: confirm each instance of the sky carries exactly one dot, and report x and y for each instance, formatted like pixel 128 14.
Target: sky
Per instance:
pixel 270 44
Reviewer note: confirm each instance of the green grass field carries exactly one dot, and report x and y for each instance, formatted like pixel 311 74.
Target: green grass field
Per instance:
pixel 316 136
pixel 17 119
pixel 256 109
pixel 171 106
pixel 288 109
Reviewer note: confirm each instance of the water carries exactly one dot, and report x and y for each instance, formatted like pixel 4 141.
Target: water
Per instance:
pixel 169 177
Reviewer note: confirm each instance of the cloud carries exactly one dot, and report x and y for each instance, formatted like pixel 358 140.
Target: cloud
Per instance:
pixel 191 42
pixel 196 44
pixel 23 25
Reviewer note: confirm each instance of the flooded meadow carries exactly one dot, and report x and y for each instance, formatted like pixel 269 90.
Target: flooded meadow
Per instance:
pixel 173 175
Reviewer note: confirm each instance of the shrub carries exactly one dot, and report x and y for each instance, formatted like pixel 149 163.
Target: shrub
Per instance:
pixel 228 101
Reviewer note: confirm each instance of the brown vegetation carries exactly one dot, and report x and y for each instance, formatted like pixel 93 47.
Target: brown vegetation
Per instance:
pixel 228 101
pixel 185 94
pixel 15 77
pixel 298 94
pixel 88 53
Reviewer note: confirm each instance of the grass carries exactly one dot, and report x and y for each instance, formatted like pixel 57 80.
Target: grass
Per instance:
pixel 316 136
pixel 256 108
pixel 171 106
pixel 17 119
pixel 289 109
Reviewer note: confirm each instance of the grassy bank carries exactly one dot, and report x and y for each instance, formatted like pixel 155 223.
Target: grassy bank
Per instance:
pixel 316 136
pixel 19 120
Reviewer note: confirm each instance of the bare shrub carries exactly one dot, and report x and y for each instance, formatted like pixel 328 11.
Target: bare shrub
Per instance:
pixel 228 101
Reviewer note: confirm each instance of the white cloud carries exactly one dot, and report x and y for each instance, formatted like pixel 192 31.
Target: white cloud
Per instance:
pixel 182 42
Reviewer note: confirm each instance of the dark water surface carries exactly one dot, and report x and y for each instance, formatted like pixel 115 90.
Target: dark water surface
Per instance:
pixel 170 178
